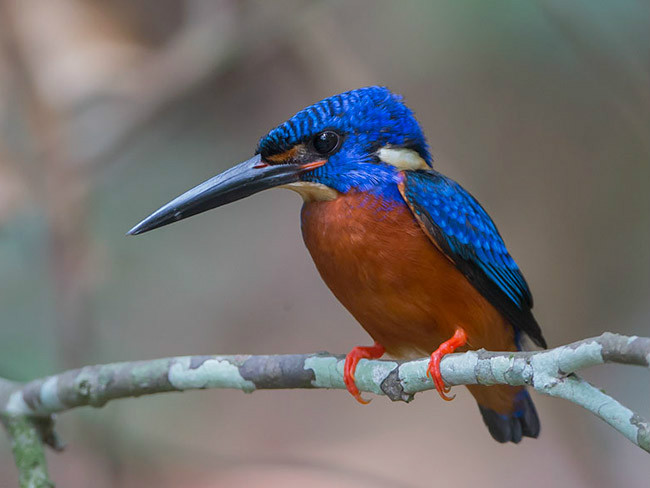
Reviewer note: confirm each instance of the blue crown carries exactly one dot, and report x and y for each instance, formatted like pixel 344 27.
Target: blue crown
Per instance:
pixel 374 111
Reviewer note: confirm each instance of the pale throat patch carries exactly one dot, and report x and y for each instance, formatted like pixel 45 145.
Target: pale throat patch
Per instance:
pixel 312 192
pixel 402 158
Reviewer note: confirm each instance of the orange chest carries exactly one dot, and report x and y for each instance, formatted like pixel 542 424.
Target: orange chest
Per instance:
pixel 382 267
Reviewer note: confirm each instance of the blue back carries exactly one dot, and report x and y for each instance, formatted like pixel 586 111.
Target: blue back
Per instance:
pixel 464 231
pixel 467 231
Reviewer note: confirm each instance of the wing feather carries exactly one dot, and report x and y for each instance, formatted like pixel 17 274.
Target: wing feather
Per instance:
pixel 462 229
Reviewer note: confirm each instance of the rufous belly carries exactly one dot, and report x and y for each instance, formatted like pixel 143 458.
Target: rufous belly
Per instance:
pixel 404 292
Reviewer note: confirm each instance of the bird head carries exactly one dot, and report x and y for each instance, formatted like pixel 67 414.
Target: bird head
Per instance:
pixel 355 141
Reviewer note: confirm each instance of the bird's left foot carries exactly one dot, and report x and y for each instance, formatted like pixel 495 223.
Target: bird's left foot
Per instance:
pixel 351 361
pixel 458 339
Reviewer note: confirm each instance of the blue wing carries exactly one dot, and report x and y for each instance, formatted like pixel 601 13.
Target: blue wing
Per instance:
pixel 459 226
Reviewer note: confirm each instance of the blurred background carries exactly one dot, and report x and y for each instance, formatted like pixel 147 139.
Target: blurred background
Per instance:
pixel 108 109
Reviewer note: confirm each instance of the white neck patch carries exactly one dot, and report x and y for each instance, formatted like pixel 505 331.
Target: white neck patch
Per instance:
pixel 402 158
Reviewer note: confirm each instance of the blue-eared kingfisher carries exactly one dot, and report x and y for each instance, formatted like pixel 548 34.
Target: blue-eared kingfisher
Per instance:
pixel 409 252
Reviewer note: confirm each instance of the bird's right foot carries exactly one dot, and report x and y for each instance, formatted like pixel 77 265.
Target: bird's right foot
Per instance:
pixel 351 361
pixel 459 339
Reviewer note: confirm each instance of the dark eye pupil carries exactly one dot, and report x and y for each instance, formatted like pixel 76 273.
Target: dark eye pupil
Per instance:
pixel 326 142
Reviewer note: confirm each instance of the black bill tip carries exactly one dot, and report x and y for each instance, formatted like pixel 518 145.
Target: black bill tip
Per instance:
pixel 167 214
pixel 143 227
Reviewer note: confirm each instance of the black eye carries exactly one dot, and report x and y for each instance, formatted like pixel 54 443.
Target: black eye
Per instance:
pixel 326 142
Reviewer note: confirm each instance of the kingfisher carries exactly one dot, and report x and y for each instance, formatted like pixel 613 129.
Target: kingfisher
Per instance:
pixel 409 252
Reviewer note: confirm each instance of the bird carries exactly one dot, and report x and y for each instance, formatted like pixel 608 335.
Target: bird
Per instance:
pixel 409 253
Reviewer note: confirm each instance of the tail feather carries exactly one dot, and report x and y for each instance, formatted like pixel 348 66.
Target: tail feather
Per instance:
pixel 522 422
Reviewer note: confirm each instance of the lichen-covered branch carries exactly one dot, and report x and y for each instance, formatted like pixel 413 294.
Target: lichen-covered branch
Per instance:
pixel 27 448
pixel 550 372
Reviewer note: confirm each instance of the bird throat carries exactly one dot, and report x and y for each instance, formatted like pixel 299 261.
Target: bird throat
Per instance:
pixel 312 192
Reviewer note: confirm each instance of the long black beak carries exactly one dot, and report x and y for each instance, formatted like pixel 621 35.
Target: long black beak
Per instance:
pixel 239 182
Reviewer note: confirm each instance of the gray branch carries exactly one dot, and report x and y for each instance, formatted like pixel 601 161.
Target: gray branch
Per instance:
pixel 550 372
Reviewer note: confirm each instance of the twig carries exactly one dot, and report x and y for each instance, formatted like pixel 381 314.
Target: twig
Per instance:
pixel 28 451
pixel 550 372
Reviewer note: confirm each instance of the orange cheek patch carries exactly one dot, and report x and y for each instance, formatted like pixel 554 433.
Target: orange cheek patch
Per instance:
pixel 285 156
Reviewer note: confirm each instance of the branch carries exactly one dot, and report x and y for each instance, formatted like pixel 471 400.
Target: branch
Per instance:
pixel 28 451
pixel 550 372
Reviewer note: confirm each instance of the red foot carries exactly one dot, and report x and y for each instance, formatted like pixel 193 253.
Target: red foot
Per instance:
pixel 351 361
pixel 459 339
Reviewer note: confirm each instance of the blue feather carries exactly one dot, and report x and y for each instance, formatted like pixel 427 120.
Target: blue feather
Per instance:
pixel 467 231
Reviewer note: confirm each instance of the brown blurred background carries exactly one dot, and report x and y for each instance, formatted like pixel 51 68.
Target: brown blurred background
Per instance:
pixel 110 108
